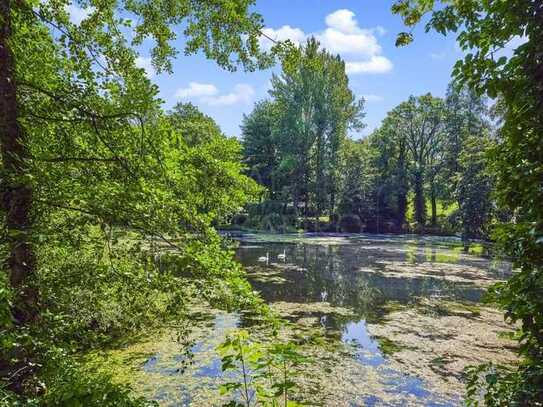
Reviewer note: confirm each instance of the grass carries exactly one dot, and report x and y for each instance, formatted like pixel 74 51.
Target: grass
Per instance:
pixel 443 210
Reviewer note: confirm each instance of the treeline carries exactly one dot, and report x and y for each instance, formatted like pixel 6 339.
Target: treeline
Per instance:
pixel 425 169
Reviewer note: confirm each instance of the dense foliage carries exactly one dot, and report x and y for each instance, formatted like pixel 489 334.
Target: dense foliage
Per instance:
pixel 109 202
pixel 98 181
pixel 429 155
pixel 485 30
pixel 293 143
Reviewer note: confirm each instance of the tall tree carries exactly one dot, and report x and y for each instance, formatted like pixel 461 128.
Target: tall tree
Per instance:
pixel 358 180
pixel 484 28
pixel 260 146
pixel 16 188
pixel 392 160
pixel 466 116
pixel 421 120
pixel 316 108
pixel 474 187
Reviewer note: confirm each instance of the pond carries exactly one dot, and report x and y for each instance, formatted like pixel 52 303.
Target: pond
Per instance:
pixel 403 313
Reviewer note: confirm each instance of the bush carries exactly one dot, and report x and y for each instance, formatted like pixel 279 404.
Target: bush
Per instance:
pixel 350 223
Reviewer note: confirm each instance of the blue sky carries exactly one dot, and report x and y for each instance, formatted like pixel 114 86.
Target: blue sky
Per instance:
pixel 361 31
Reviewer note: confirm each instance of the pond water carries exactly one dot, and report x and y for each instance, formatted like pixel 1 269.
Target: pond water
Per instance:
pixel 404 311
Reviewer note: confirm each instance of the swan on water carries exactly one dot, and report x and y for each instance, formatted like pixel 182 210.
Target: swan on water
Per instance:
pixel 283 255
pixel 264 259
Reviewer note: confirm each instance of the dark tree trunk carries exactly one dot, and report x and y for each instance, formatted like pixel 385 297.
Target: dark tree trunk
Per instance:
pixel 16 193
pixel 403 187
pixel 402 200
pixel 402 207
pixel 434 205
pixel 420 205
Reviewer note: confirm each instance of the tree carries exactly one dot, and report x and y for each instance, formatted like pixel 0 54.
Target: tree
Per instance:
pixel 315 109
pixel 84 143
pixel 358 179
pixel 260 146
pixel 232 30
pixel 466 116
pixel 186 118
pixel 420 119
pixel 392 162
pixel 474 188
pixel 465 166
pixel 484 29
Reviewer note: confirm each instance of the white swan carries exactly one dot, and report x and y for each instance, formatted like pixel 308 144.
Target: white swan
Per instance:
pixel 282 256
pixel 264 259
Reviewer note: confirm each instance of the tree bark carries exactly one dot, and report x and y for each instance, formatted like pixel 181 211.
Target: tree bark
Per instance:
pixel 403 188
pixel 434 204
pixel 16 192
pixel 420 205
pixel 402 207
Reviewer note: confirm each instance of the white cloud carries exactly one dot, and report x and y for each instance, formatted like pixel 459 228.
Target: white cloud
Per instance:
pixel 376 64
pixel 342 35
pixel 373 98
pixel 146 65
pixel 242 93
pixel 195 90
pixel 339 42
pixel 78 14
pixel 342 20
pixel 208 94
pixel 283 33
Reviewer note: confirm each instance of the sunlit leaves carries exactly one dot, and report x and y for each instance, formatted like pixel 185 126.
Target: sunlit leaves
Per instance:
pixel 487 30
pixel 404 39
pixel 267 371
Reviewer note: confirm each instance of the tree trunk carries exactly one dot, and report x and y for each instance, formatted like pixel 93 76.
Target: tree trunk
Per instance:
pixel 420 205
pixel 402 207
pixel 403 187
pixel 295 200
pixel 16 193
pixel 434 204
pixel 320 186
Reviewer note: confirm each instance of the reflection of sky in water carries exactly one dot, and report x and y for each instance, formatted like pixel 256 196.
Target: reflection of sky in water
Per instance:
pixel 203 366
pixel 368 353
pixel 337 269
pixel 357 334
pixel 350 271
pixel 367 349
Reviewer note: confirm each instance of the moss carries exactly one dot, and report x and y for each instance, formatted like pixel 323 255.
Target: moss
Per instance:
pixel 447 308
pixel 440 361
pixel 387 346
pixel 476 249
pixel 266 276
pixel 392 306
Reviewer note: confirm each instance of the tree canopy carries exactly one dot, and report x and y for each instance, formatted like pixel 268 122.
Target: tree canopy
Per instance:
pixel 96 177
pixel 483 29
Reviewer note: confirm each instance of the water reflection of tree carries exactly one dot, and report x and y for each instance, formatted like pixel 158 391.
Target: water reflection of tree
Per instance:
pixel 335 274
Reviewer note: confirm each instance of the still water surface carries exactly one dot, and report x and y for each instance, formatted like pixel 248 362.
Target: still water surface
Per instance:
pixel 363 274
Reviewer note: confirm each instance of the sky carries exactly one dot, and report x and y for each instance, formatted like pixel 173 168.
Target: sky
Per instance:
pixel 363 32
